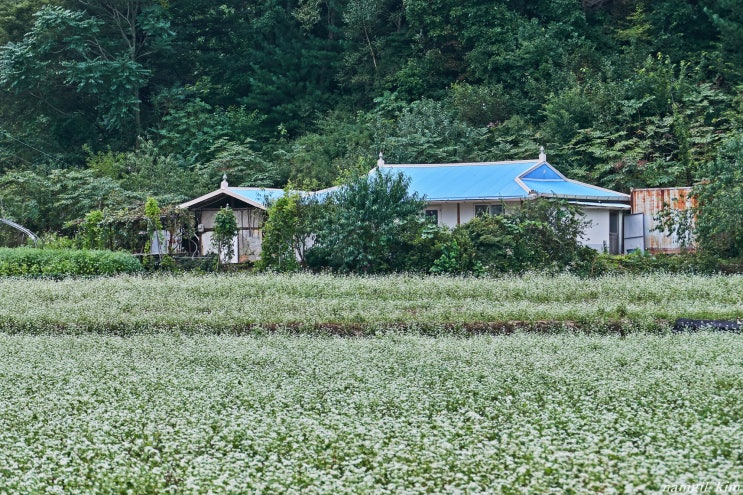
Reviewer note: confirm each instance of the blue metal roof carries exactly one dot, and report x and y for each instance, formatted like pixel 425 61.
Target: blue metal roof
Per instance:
pixel 258 195
pixel 496 180
pixel 572 189
pixel 465 181
pixel 543 172
pixel 456 182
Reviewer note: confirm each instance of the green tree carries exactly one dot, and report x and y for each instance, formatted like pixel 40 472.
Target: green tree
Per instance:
pixel 97 57
pixel 288 232
pixel 245 167
pixel 146 171
pixel 266 55
pixel 727 17
pixel 719 227
pixel 365 221
pixel 225 230
pixel 426 131
pixel 45 202
pixel 91 232
pixel 16 17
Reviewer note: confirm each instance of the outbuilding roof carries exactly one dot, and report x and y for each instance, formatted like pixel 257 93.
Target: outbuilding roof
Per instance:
pixel 507 180
pixel 254 196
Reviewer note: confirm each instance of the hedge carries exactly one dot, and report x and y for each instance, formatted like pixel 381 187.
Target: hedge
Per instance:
pixel 65 262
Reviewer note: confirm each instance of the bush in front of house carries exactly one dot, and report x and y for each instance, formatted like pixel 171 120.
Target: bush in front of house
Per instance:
pixel 540 235
pixel 643 263
pixel 26 261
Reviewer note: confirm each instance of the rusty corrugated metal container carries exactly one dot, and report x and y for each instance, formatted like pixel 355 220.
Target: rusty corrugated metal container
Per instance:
pixel 650 202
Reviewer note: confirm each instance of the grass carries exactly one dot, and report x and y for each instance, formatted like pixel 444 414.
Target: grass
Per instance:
pixel 169 413
pixel 249 303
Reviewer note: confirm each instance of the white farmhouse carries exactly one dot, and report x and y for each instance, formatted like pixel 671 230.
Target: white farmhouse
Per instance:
pixel 457 192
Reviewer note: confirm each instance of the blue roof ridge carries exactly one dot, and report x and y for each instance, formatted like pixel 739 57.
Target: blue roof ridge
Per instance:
pixel 253 188
pixel 458 164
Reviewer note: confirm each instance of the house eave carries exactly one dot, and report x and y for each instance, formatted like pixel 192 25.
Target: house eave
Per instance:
pixel 470 199
pixel 214 195
pixel 621 199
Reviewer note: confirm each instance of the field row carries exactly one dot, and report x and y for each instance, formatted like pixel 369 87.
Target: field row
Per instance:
pixel 244 302
pixel 521 414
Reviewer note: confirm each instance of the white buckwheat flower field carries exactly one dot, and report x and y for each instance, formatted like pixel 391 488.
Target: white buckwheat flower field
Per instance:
pixel 322 384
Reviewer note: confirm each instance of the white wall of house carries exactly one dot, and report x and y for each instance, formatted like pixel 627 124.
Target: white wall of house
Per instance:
pixel 455 213
pixel 207 247
pixel 596 235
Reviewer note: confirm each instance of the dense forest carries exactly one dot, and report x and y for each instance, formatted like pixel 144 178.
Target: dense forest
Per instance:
pixel 108 102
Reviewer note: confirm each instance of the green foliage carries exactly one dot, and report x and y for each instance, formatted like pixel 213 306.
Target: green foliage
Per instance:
pixel 225 230
pixel 243 165
pixel 719 226
pixel 652 129
pixel 288 231
pixel 426 131
pixel 364 222
pixel 132 228
pixel 640 263
pixel 454 260
pixel 539 235
pixel 678 223
pixel 55 241
pixel 104 62
pixel 46 202
pixel 22 262
pixel 727 17
pixel 514 137
pixel 319 158
pixel 190 127
pixel 162 98
pixel 90 232
pixel 480 106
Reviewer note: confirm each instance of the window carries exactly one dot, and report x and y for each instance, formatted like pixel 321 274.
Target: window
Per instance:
pixel 433 216
pixel 488 210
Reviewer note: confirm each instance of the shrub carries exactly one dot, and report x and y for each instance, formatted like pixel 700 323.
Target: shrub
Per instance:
pixel 64 262
pixel 225 230
pixel 540 235
pixel 288 232
pixel 365 223
pixel 642 263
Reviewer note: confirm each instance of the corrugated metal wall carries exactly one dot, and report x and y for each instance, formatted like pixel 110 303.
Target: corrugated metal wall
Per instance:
pixel 650 202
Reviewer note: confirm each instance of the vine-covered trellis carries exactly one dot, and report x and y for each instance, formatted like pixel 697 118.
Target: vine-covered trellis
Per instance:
pixel 127 229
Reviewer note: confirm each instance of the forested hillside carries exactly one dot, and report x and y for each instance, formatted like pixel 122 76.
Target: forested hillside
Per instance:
pixel 107 102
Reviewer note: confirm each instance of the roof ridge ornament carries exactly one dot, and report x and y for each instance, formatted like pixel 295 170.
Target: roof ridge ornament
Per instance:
pixel 380 162
pixel 224 184
pixel 542 154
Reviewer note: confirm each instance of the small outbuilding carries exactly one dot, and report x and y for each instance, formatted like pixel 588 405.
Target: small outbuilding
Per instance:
pixel 249 205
